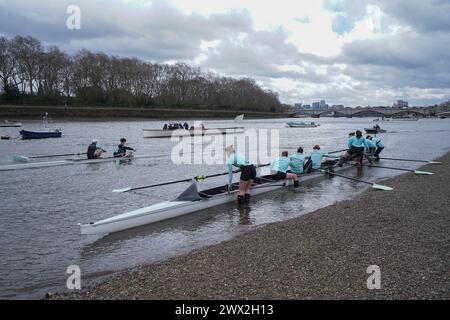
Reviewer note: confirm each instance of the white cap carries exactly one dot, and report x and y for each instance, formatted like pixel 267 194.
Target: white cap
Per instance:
pixel 94 141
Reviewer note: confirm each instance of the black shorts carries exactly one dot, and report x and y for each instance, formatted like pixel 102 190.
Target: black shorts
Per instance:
pixel 248 173
pixel 355 150
pixel 279 175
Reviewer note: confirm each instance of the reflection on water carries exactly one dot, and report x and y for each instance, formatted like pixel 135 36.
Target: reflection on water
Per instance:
pixel 38 221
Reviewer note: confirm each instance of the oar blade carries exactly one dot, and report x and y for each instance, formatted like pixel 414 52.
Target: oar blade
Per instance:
pixel 434 162
pixel 21 159
pixel 423 172
pixel 382 187
pixel 122 190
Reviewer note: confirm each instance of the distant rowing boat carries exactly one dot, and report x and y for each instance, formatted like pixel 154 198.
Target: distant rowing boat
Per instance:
pixel 157 133
pixel 188 202
pixel 374 130
pixel 302 124
pixel 43 164
pixel 10 124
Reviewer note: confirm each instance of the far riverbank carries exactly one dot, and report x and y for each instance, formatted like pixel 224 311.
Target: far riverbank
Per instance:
pixel 72 112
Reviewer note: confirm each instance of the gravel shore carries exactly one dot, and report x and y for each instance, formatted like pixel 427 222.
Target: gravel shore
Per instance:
pixel 321 255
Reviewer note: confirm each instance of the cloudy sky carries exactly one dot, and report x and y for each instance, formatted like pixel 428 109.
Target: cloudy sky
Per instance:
pixel 352 52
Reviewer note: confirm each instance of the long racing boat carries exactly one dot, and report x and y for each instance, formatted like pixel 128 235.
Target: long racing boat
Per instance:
pixel 70 161
pixel 191 200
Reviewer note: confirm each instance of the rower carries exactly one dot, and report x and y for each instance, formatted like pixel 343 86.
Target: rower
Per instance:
pixel 356 146
pixel 94 150
pixel 297 162
pixel 165 126
pixel 186 126
pixel 280 166
pixel 121 149
pixel 248 174
pixel 316 158
pixel 372 147
pixel 379 145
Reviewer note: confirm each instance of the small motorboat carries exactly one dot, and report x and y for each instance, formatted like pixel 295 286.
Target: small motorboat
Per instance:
pixel 374 130
pixel 5 137
pixel 301 124
pixel 46 133
pixel 40 134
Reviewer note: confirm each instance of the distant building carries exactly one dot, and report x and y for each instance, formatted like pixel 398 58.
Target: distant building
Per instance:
pixel 323 104
pixel 400 104
pixel 316 105
pixel 298 105
pixel 306 106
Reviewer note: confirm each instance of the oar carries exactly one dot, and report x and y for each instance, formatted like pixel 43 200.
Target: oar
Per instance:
pixel 337 151
pixel 26 159
pixel 179 181
pixel 401 169
pixel 413 160
pixel 374 185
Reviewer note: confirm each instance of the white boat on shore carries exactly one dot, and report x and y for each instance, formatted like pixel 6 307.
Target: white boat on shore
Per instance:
pixel 158 133
pixel 239 118
pixel 191 200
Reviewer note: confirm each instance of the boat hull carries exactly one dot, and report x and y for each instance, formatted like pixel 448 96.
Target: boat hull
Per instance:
pixel 374 131
pixel 155 133
pixel 43 164
pixel 172 209
pixel 6 125
pixel 26 135
pixel 301 125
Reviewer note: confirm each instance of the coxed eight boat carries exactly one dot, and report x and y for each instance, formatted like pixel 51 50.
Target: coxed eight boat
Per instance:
pixel 191 200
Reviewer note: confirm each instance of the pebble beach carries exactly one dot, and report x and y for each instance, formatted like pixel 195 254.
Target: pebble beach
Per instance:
pixel 321 255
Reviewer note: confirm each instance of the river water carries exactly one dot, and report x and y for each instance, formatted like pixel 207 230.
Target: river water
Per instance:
pixel 41 207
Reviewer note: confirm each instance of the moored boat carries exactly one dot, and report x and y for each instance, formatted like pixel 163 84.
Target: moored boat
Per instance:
pixel 301 124
pixel 40 134
pixel 374 130
pixel 157 133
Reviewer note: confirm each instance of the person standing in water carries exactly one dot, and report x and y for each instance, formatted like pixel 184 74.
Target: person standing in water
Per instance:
pixel 248 174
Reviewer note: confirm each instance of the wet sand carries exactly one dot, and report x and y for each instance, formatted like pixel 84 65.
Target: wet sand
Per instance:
pixel 321 255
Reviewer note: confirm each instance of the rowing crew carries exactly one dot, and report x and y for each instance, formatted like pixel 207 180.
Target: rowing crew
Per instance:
pixel 358 147
pixel 95 151
pixel 282 168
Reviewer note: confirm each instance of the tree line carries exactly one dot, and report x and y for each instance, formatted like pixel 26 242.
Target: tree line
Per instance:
pixel 33 74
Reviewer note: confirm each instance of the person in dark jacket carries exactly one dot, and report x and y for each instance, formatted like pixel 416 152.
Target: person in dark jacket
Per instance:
pixel 94 151
pixel 121 149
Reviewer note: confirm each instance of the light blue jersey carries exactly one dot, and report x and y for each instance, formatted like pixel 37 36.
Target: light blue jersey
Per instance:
pixel 280 164
pixel 370 143
pixel 296 163
pixel 236 160
pixel 316 158
pixel 357 143
pixel 378 142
